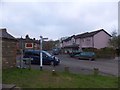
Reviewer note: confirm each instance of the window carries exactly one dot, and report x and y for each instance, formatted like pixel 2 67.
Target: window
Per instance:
pixel 88 41
pixel 82 40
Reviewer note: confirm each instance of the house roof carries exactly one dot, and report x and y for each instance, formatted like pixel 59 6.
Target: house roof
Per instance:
pixel 90 34
pixel 87 34
pixel 28 40
pixel 69 38
pixel 5 34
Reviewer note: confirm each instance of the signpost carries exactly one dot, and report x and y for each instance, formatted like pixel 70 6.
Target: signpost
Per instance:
pixel 41 61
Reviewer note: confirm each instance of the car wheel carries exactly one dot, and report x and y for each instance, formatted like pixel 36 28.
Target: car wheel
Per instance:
pixel 90 59
pixel 93 59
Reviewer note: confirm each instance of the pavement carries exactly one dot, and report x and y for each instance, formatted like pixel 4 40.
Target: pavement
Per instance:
pixel 9 87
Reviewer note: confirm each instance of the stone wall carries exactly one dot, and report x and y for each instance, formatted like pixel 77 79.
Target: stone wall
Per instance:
pixel 8 53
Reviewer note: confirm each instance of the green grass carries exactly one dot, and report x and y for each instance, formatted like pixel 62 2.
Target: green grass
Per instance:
pixel 44 79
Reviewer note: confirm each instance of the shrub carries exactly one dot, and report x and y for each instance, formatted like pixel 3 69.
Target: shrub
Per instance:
pixel 102 53
pixel 105 53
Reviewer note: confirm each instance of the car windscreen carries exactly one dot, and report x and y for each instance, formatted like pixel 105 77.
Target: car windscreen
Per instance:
pixel 47 53
pixel 29 53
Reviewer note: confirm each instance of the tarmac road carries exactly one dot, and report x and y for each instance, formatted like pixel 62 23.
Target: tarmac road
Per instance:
pixel 106 67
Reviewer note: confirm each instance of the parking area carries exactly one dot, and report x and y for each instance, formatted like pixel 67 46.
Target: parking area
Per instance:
pixel 105 66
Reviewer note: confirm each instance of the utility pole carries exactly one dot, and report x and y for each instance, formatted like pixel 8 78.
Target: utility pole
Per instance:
pixel 41 61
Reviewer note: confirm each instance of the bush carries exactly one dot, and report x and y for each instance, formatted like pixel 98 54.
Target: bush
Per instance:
pixel 102 53
pixel 105 53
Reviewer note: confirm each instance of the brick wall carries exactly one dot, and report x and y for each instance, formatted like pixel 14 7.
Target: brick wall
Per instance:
pixel 8 53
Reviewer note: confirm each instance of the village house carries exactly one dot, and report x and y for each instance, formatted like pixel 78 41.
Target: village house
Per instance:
pixel 27 43
pixel 69 44
pixel 12 46
pixel 96 39
pixel 8 49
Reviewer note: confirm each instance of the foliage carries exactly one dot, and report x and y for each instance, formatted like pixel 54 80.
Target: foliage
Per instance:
pixel 49 45
pixel 115 41
pixel 103 52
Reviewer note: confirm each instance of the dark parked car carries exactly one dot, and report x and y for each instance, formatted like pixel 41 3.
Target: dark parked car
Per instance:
pixel 56 51
pixel 47 58
pixel 73 53
pixel 86 55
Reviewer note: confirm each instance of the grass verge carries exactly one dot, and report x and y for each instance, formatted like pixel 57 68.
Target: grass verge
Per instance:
pixel 43 79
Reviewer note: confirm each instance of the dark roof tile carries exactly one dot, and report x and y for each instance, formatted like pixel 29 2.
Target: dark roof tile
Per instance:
pixel 90 34
pixel 69 38
pixel 87 34
pixel 5 34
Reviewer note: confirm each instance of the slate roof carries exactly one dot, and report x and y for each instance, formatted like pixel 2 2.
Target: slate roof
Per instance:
pixel 5 34
pixel 28 40
pixel 87 34
pixel 90 34
pixel 69 38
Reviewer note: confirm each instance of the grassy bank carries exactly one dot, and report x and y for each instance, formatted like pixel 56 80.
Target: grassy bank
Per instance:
pixel 44 79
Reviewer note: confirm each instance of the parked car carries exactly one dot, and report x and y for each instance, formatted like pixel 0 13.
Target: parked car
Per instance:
pixel 56 51
pixel 48 59
pixel 86 55
pixel 73 53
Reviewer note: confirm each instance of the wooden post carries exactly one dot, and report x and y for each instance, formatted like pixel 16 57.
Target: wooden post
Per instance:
pixel 29 63
pixel 96 71
pixel 54 73
pixel 66 69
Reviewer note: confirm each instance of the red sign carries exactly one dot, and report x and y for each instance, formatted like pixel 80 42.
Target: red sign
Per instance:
pixel 28 45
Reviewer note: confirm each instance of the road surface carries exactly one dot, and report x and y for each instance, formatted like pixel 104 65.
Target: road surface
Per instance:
pixel 106 67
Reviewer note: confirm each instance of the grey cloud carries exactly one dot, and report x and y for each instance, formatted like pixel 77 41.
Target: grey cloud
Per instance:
pixel 55 20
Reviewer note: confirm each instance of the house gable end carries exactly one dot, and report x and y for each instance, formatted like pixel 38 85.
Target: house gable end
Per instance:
pixel 5 34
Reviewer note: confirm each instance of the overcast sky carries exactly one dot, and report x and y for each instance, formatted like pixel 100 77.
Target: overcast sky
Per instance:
pixel 56 19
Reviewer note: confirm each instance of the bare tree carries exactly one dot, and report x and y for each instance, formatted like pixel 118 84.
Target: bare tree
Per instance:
pixel 115 42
